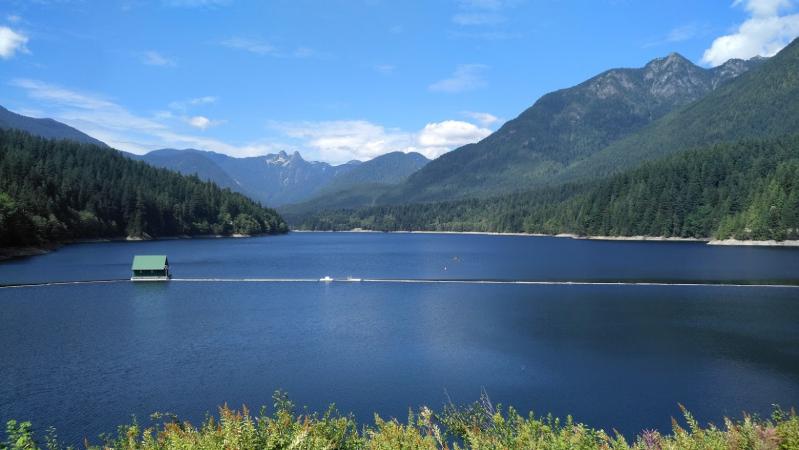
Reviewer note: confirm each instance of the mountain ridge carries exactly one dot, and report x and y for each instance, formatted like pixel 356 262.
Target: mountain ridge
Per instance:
pixel 46 128
pixel 564 126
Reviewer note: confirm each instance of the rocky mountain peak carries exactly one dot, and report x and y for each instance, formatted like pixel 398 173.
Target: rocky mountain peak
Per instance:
pixel 282 158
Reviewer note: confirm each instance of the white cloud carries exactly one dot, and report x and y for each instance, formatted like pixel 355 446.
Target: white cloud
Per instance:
pixel 466 77
pixel 122 129
pixel 250 45
pixel 12 42
pixel 333 141
pixel 765 33
pixel 343 140
pixel 484 119
pixel 438 138
pixel 153 58
pixel 202 122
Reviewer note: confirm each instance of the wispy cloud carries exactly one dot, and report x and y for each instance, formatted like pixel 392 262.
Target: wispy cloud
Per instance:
pixel 154 58
pixel 482 13
pixel 123 129
pixel 468 19
pixel 764 33
pixel 487 4
pixel 483 118
pixel 466 77
pixel 385 69
pixel 12 42
pixel 488 35
pixel 344 140
pixel 250 45
pixel 196 3
pixel 265 48
pixel 333 141
pixel 183 105
pixel 681 33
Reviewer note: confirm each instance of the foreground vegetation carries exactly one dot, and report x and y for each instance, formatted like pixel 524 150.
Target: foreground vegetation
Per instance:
pixel 477 426
pixel 55 191
pixel 744 190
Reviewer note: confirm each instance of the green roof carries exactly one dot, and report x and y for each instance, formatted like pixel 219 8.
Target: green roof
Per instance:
pixel 149 262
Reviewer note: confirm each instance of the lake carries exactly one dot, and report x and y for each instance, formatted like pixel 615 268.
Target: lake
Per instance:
pixel 84 358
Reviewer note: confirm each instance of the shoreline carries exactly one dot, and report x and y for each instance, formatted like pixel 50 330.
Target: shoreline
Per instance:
pixel 706 241
pixel 9 253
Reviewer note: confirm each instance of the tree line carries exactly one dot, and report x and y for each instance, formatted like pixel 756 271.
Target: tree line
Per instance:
pixel 58 190
pixel 745 190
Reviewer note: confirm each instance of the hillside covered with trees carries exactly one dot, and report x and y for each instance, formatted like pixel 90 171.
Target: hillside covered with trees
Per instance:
pixel 745 190
pixel 57 191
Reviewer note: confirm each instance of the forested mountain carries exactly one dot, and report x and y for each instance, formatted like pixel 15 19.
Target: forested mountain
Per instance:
pixel 761 103
pixel 274 179
pixel 746 190
pixel 190 162
pixel 56 190
pixel 282 178
pixel 362 185
pixel 390 168
pixel 564 127
pixel 46 128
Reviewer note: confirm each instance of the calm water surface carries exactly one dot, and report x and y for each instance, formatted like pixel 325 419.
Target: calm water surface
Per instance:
pixel 85 357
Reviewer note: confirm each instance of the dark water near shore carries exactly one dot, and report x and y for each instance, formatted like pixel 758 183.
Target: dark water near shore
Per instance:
pixel 85 357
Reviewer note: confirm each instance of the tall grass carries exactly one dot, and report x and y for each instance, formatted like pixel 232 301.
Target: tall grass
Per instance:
pixel 477 426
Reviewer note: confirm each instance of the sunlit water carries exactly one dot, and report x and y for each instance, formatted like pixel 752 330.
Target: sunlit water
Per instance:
pixel 85 357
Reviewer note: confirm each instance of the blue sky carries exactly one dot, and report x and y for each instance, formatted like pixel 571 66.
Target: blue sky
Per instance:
pixel 341 79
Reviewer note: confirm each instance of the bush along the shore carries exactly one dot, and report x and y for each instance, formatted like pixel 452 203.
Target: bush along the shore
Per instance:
pixel 477 426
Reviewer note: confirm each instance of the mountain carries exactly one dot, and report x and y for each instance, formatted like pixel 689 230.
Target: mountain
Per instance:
pixel 362 185
pixel 565 127
pixel 274 179
pixel 56 191
pixel 282 178
pixel 390 168
pixel 763 102
pixel 744 190
pixel 190 162
pixel 724 165
pixel 46 128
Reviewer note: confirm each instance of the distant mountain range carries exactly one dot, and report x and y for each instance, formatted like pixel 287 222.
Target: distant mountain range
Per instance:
pixel 361 186
pixel 46 128
pixel 282 178
pixel 275 179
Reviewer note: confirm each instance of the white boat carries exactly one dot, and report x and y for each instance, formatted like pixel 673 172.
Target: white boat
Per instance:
pixel 355 280
pixel 326 279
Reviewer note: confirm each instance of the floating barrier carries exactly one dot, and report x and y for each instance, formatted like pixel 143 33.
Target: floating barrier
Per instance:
pixel 350 280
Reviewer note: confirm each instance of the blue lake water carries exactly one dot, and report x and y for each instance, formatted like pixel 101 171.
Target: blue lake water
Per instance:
pixel 84 358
